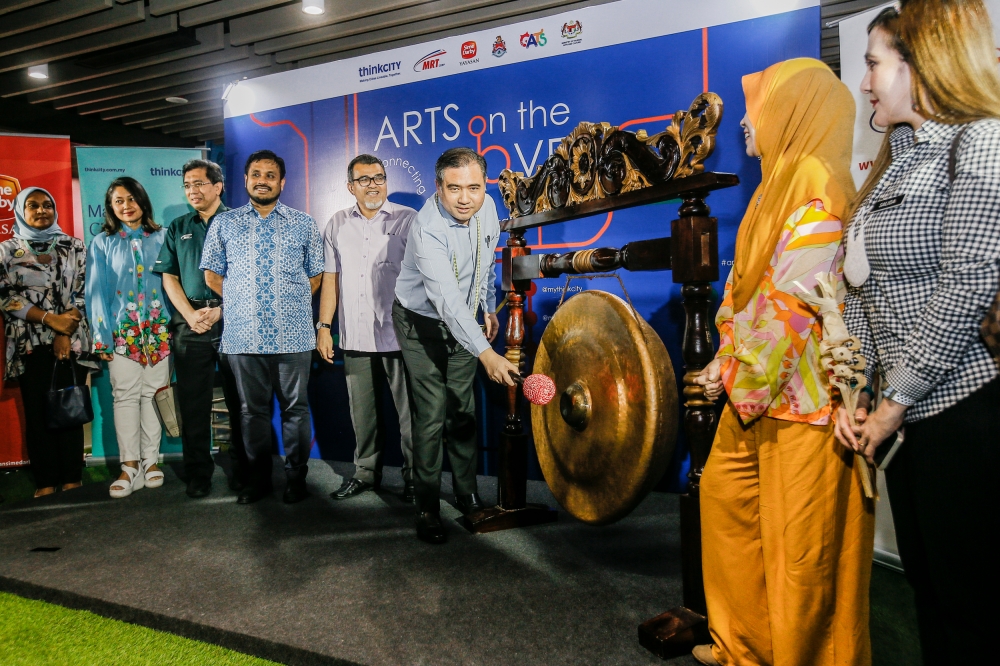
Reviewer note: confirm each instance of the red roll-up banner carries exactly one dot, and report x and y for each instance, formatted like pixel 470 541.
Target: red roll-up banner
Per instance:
pixel 27 161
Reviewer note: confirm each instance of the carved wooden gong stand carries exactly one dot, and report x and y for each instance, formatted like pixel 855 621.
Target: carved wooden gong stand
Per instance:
pixel 597 169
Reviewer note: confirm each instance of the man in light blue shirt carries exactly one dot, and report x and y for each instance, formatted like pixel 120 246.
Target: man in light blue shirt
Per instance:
pixel 447 277
pixel 266 260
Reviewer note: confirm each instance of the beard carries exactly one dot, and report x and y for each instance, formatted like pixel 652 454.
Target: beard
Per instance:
pixel 263 201
pixel 374 205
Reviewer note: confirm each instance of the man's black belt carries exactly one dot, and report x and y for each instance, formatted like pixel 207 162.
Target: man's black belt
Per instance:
pixel 210 303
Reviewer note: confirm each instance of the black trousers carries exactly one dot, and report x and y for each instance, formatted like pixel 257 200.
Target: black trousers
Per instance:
pixel 944 488
pixel 195 360
pixel 441 373
pixel 259 377
pixel 56 455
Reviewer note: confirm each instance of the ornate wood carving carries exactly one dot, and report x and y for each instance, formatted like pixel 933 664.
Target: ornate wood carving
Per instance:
pixel 599 160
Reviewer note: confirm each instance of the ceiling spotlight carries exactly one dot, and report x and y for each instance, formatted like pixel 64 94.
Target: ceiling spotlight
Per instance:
pixel 313 6
pixel 39 72
pixel 176 100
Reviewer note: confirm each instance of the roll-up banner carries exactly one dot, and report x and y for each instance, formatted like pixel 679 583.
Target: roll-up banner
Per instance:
pixel 867 140
pixel 159 171
pixel 511 93
pixel 27 160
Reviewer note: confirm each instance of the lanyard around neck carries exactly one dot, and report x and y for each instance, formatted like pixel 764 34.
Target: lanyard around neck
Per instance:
pixel 474 306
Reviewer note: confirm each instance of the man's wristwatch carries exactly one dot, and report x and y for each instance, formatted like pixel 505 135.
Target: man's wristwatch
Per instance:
pixel 892 393
pixel 320 325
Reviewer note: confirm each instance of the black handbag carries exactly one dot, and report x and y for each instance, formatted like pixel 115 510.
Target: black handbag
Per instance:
pixel 70 406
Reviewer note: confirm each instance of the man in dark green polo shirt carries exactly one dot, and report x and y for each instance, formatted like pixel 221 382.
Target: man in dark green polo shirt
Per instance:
pixel 197 328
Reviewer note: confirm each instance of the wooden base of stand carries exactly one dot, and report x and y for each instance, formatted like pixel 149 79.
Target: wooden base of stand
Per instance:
pixel 496 518
pixel 674 633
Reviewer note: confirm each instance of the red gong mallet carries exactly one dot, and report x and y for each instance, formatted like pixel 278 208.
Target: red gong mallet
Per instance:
pixel 538 389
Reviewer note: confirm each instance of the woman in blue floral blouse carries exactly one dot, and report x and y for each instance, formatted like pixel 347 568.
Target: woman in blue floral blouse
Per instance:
pixel 128 318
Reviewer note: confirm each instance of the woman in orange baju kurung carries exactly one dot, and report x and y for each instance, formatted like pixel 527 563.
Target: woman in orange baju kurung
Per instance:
pixel 787 534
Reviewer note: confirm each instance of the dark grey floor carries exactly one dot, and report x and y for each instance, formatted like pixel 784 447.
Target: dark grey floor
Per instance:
pixel 349 580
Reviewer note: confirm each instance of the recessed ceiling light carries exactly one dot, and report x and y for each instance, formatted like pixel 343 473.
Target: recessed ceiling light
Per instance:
pixel 39 72
pixel 313 6
pixel 176 100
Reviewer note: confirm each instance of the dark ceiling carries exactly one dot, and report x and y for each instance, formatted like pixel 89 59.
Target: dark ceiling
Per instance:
pixel 113 63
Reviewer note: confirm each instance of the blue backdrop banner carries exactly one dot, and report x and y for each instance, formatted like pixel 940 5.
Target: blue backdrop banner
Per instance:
pixel 159 171
pixel 512 93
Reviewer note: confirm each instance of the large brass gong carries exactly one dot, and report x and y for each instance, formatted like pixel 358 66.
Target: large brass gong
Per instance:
pixel 606 438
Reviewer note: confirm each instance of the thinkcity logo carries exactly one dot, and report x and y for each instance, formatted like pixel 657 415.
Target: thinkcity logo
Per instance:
pixel 530 39
pixel 429 61
pixel 571 33
pixel 382 70
pixel 469 50
pixel 499 47
pixel 165 171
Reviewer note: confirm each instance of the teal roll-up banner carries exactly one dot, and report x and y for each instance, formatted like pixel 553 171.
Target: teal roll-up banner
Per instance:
pixel 159 171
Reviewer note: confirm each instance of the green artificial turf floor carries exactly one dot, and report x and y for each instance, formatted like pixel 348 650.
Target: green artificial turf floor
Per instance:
pixel 34 632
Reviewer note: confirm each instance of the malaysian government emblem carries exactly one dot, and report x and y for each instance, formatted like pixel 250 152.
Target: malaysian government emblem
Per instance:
pixel 499 47
pixel 571 30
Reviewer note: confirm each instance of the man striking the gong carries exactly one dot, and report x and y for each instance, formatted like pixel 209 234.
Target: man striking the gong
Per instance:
pixel 447 277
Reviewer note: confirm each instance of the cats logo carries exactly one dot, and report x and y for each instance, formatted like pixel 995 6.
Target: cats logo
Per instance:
pixel 9 189
pixel 530 39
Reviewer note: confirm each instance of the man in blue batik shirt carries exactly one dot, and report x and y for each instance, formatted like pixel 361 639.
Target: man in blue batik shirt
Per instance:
pixel 266 260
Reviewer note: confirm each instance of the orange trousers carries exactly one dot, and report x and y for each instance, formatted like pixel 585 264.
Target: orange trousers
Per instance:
pixel 787 540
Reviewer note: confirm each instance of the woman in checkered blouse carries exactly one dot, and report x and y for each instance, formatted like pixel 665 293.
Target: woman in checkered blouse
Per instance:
pixel 923 262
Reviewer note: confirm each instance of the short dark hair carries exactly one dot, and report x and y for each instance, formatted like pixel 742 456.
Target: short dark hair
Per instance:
pixel 212 170
pixel 265 155
pixel 112 224
pixel 454 158
pixel 363 159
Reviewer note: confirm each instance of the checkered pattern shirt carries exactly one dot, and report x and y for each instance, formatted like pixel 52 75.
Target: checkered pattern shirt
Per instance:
pixel 934 250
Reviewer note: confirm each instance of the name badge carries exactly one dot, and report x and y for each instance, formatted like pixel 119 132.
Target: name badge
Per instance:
pixel 885 204
pixel 187 236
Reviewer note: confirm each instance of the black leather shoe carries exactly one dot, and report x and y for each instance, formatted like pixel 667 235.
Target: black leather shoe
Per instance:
pixel 350 489
pixel 252 494
pixel 468 503
pixel 430 529
pixel 197 488
pixel 409 494
pixel 295 492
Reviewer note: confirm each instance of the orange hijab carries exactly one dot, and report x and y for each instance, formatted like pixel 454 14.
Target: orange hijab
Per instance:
pixel 804 119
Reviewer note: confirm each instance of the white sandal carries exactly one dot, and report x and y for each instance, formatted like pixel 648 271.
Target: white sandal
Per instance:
pixel 122 487
pixel 154 479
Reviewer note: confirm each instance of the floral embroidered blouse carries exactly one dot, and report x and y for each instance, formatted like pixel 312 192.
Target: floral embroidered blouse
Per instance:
pixel 128 314
pixel 54 287
pixel 770 350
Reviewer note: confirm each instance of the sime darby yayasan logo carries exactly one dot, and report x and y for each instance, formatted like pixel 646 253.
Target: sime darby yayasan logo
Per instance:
pixel 429 61
pixel 499 47
pixel 9 189
pixel 530 39
pixel 469 51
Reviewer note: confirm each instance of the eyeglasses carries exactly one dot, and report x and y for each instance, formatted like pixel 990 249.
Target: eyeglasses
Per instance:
pixel 195 185
pixel 365 181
